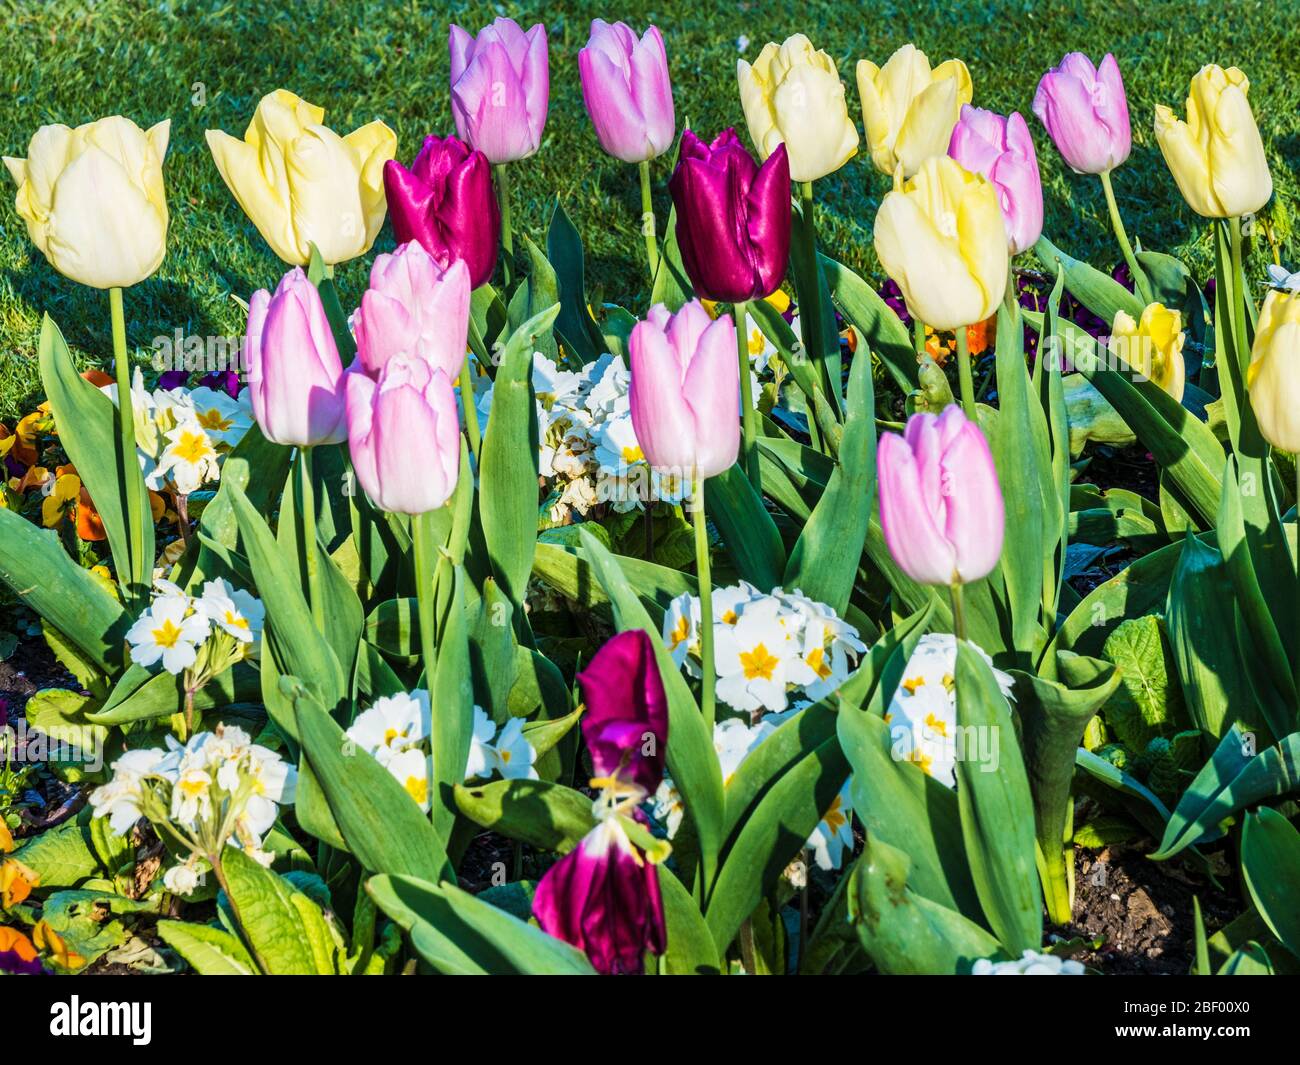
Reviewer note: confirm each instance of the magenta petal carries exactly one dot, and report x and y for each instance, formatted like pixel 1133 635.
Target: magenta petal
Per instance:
pixel 626 723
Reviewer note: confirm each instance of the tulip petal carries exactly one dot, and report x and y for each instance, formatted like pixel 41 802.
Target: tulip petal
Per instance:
pixel 973 498
pixel 626 723
pixel 913 539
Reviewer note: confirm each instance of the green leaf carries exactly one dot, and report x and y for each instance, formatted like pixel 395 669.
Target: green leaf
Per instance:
pixel 62 856
pixel 565 570
pixel 1148 702
pixel 163 694
pixel 1250 960
pixel 1099 292
pixel 1270 865
pixel 452 692
pixel 671 285
pixel 548 816
pixel 284 930
pixel 749 534
pixel 210 951
pixel 691 950
pixel 61 715
pixel 574 323
pixel 885 335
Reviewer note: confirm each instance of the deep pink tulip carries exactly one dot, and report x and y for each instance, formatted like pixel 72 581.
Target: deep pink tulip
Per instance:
pixel 1086 112
pixel 685 391
pixel 413 309
pixel 1002 150
pixel 446 202
pixel 733 217
pixel 940 501
pixel 404 436
pixel 626 723
pixel 628 93
pixel 500 88
pixel 295 375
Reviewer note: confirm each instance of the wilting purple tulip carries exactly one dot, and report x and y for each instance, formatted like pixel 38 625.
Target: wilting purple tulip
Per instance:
pixel 295 376
pixel 404 436
pixel 685 391
pixel 446 202
pixel 500 88
pixel 733 217
pixel 628 94
pixel 1002 150
pixel 1086 112
pixel 413 309
pixel 626 723
pixel 940 502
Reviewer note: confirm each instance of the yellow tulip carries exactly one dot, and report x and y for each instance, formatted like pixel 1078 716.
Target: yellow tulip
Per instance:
pixel 1216 156
pixel 910 110
pixel 793 95
pixel 1274 373
pixel 93 199
pixel 303 184
pixel 1152 347
pixel 941 238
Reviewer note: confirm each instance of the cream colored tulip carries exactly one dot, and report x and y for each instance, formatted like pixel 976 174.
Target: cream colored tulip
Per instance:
pixel 1216 156
pixel 1273 377
pixel 942 239
pixel 793 95
pixel 1152 347
pixel 303 184
pixel 910 110
pixel 93 199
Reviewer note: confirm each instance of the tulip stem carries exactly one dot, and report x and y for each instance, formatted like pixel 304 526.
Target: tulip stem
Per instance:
pixel 958 611
pixel 133 581
pixel 964 378
pixel 467 405
pixel 1238 296
pixel 502 176
pixel 423 541
pixel 918 336
pixel 709 676
pixel 306 492
pixel 648 222
pixel 1117 224
pixel 748 446
pixel 810 301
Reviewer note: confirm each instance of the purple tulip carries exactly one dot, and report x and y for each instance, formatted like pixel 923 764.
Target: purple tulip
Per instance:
pixel 940 502
pixel 685 391
pixel 1002 150
pixel 404 436
pixel 295 376
pixel 1086 112
pixel 628 94
pixel 626 723
pixel 733 217
pixel 446 202
pixel 413 309
pixel 500 88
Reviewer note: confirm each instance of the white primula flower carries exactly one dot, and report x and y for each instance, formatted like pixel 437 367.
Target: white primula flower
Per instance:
pixel 191 797
pixel 681 628
pixel 482 759
pixel 515 755
pixel 1031 963
pixel 224 418
pixel 393 724
pixel 1281 277
pixel 189 460
pixel 181 879
pixel 550 382
pixel 667 807
pixel 236 611
pixel 412 769
pixel 753 658
pixel 616 446
pixel 119 799
pixel 733 740
pixel 834 833
pixel 761 350
pixel 169 630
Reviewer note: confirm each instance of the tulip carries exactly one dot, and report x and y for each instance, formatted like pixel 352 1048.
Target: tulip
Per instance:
pixel 404 436
pixel 793 95
pixel 500 88
pixel 93 199
pixel 1086 112
pixel 413 309
pixel 1272 377
pixel 940 503
pixel 445 201
pixel 1002 150
pixel 302 184
pixel 733 217
pixel 295 375
pixel 628 94
pixel 626 723
pixel 1216 156
pixel 910 110
pixel 1153 346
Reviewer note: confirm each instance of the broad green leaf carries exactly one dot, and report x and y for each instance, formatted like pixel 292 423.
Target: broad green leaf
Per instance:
pixel 452 693
pixel 691 950
pixel 163 694
pixel 492 651
pixel 1250 960
pixel 62 856
pixel 1099 292
pixel 574 323
pixel 63 716
pixel 565 570
pixel 749 535
pixel 885 335
pixel 284 931
pixel 671 285
pixel 548 816
pixel 1270 865
pixel 1149 701
pixel 210 951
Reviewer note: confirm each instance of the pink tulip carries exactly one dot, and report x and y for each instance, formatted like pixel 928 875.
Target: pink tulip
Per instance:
pixel 940 502
pixel 1086 112
pixel 685 392
pixel 404 435
pixel 413 309
pixel 500 88
pixel 295 375
pixel 628 94
pixel 1002 150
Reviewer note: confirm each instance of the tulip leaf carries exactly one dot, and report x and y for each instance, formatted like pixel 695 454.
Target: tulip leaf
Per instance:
pixel 574 323
pixel 691 950
pixel 1099 292
pixel 570 574
pixel 492 649
pixel 1250 960
pixel 452 692
pixel 548 816
pixel 1270 865
pixel 540 292
pixel 876 323
pixel 322 276
pixel 163 694
pixel 671 286
pixel 749 534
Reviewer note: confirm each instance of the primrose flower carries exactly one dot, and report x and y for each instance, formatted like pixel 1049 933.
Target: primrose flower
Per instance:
pixel 834 832
pixel 393 724
pixel 189 460
pixel 1031 963
pixel 413 769
pixel 181 879
pixel 119 799
pixel 232 609
pixel 509 754
pixel 170 631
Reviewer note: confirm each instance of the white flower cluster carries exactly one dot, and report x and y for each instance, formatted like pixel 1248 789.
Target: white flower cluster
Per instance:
pixel 218 781
pixel 1031 963
pixel 182 434
pixel 177 625
pixel 922 715
pixel 766 647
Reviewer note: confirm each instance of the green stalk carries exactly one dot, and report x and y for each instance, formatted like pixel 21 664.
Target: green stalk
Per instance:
pixel 502 177
pixel 918 336
pixel 133 581
pixel 958 611
pixel 964 374
pixel 471 411
pixel 423 538
pixel 306 493
pixel 1117 224
pixel 810 302
pixel 748 446
pixel 1056 883
pixel 648 221
pixel 707 670
pixel 1238 304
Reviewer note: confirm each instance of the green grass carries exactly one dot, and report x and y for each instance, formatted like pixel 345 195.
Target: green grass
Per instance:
pixel 70 62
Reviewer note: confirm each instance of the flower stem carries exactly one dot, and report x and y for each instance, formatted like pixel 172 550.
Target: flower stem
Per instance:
pixel 507 234
pixel 1238 297
pixel 423 538
pixel 1117 224
pixel 810 302
pixel 918 336
pixel 706 602
pixel 306 493
pixel 748 446
pixel 466 382
pixel 964 373
pixel 648 222
pixel 958 611
pixel 133 580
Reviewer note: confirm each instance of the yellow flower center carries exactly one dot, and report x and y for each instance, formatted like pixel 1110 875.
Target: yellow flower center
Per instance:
pixel 193 447
pixel 835 819
pixel 505 756
pixel 758 663
pixel 168 634
pixel 213 419
pixel 757 342
pixel 912 683
pixel 633 454
pixel 235 619
pixel 922 760
pixel 935 725
pixel 730 617
pixel 417 788
pixel 817 662
pixel 680 632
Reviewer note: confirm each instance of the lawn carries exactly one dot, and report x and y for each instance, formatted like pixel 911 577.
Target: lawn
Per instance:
pixel 206 65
